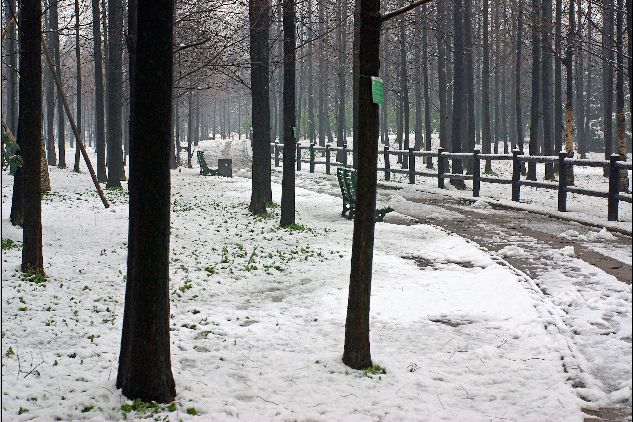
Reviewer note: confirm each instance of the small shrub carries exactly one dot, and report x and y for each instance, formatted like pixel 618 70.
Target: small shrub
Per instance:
pixel 9 353
pixel 192 411
pixel 23 410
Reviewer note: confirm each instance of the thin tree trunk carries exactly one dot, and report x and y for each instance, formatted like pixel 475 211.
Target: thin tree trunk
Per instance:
pixel 288 181
pixel 342 45
pixel 356 353
pixel 115 94
pixel 78 80
pixel 469 144
pixel 425 76
pixel 535 111
pixel 579 75
pixel 50 102
pixel 12 82
pixel 569 104
pixel 607 78
pixel 404 89
pixel 460 108
pixel 619 96
pixel 558 79
pixel 259 32
pixel 99 94
pixel 517 80
pixel 419 137
pixel 546 93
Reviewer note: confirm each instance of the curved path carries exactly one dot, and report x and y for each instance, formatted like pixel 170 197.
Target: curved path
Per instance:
pixel 583 271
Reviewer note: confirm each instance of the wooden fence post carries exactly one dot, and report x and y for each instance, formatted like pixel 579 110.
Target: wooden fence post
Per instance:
pixel 327 159
pixel 387 164
pixel 440 168
pixel 312 157
pixel 411 167
pixel 476 173
pixel 276 150
pixel 562 182
pixel 614 185
pixel 298 157
pixel 516 176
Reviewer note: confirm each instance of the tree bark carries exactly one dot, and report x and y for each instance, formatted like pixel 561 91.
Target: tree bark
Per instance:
pixel 518 114
pixel 259 30
pixel 29 136
pixel 425 77
pixel 607 78
pixel 99 94
pixel 78 80
pixel 356 352
pixel 546 93
pixel 51 149
pixel 144 361
pixel 619 96
pixel 288 181
pixel 460 108
pixel 558 79
pixel 12 78
pixel 535 112
pixel 115 94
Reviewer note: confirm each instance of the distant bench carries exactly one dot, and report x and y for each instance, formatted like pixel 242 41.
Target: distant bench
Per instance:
pixel 225 166
pixel 347 181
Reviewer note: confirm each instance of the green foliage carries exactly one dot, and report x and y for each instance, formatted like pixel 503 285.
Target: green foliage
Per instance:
pixel 142 407
pixel 9 353
pixel 87 409
pixel 272 205
pixel 211 270
pixel 185 286
pixel 10 157
pixel 375 369
pixel 192 411
pixel 23 410
pixel 10 244
pixel 37 278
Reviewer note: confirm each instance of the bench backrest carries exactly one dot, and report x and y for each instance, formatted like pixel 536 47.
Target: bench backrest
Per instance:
pixel 202 161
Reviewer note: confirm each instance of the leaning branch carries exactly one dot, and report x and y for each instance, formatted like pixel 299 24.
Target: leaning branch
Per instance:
pixel 73 124
pixel 405 9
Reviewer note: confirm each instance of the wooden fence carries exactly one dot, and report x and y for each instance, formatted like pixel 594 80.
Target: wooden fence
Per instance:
pixel 408 167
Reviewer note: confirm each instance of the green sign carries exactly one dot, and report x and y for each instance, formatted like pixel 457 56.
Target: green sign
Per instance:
pixel 295 132
pixel 377 90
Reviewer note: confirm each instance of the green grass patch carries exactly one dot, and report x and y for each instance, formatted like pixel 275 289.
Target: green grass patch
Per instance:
pixel 10 244
pixel 37 278
pixel 375 369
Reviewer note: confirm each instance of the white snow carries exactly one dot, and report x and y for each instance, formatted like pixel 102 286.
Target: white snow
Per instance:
pixel 258 316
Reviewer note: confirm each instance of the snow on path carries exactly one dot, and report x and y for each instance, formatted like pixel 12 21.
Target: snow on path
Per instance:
pixel 258 317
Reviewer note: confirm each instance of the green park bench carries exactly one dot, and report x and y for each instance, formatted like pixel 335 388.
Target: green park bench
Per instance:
pixel 204 168
pixel 347 181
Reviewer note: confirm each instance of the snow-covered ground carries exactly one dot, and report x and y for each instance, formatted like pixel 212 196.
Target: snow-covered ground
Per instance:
pixel 579 207
pixel 258 317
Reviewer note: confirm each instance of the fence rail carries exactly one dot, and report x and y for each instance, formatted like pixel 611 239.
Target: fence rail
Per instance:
pixel 407 158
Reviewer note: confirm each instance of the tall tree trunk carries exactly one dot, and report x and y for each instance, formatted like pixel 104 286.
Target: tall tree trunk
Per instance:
pixel 569 104
pixel 384 108
pixel 607 78
pixel 517 81
pixel 259 30
pixel 145 362
pixel 425 76
pixel 12 82
pixel 78 80
pixel 115 94
pixel 589 39
pixel 99 94
pixel 322 81
pixel 29 135
pixel 441 76
pixel 61 129
pixel 558 79
pixel 535 111
pixel 311 122
pixel 355 82
pixel 404 88
pixel 288 181
pixel 469 136
pixel 419 137
pixel 342 58
pixel 619 96
pixel 460 108
pixel 51 149
pixel 546 91
pixel 578 77
pixel 131 52
pixel 356 353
